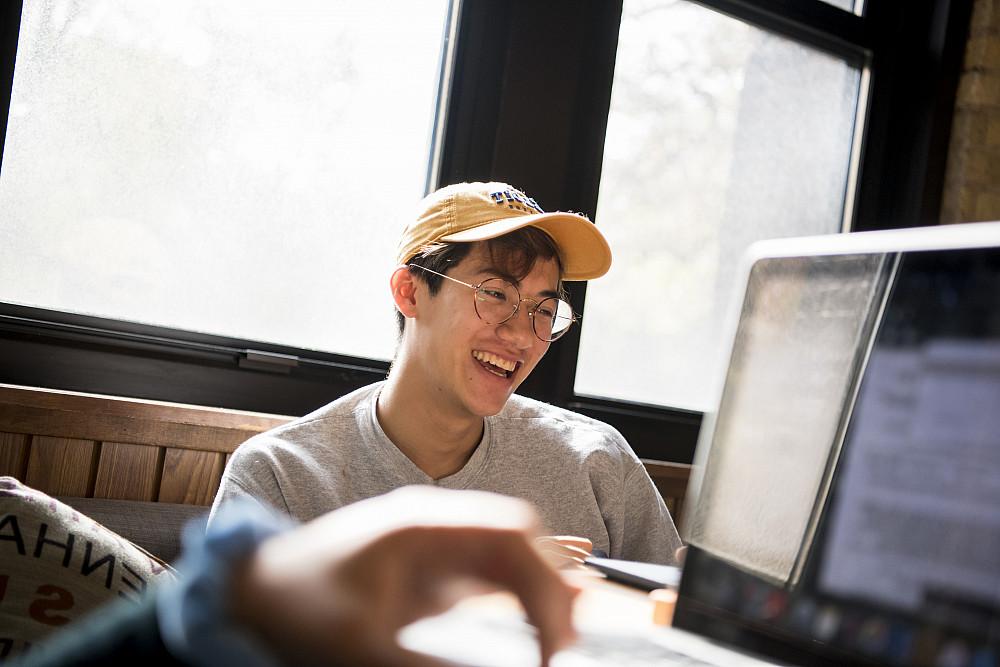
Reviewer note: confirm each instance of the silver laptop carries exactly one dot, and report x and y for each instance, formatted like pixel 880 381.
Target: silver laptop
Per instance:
pixel 845 503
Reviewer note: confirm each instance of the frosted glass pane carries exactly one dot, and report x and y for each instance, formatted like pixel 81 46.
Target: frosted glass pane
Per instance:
pixel 236 167
pixel 719 134
pixel 802 335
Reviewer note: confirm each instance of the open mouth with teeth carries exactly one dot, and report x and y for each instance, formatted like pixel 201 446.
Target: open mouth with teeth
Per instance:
pixel 494 364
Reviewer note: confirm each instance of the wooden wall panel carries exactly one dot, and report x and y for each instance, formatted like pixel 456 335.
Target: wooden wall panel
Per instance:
pixel 60 466
pixel 671 480
pixel 128 472
pixel 676 507
pixel 14 454
pixel 190 477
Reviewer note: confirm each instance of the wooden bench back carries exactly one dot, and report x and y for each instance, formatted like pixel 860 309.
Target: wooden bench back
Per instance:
pixel 70 444
pixel 671 480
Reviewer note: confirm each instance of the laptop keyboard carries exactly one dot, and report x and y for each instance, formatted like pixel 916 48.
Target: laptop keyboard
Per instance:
pixel 474 637
pixel 618 649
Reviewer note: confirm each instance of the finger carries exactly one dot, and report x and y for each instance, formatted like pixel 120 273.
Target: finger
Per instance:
pixel 569 540
pixel 560 556
pixel 565 551
pixel 679 555
pixel 568 551
pixel 437 596
pixel 504 559
pixel 509 560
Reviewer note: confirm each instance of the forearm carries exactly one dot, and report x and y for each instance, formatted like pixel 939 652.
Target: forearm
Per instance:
pixel 123 633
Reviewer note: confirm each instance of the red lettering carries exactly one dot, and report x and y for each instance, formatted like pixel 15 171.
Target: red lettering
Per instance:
pixel 58 599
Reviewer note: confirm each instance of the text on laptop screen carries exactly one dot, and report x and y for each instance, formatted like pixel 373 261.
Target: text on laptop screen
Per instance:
pixel 914 523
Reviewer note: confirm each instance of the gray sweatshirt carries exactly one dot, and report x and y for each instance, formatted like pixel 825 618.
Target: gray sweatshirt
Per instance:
pixel 579 473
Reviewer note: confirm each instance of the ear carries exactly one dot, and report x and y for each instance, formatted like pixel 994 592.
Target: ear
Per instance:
pixel 404 289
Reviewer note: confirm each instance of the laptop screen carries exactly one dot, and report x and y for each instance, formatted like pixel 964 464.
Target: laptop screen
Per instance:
pixel 899 559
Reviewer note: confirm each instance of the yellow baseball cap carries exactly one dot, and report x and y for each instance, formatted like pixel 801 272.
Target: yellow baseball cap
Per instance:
pixel 467 212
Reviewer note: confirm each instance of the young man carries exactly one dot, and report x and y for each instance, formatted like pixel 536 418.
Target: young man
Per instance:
pixel 479 295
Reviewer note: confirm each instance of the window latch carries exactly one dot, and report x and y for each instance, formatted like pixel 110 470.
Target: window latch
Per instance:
pixel 268 361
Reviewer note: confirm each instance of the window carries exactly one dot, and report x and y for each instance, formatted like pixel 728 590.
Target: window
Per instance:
pixel 232 168
pixel 528 92
pixel 719 134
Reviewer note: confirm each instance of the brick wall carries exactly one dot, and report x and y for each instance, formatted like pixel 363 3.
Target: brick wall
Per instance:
pixel 972 179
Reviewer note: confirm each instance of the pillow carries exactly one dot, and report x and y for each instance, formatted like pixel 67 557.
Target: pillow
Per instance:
pixel 56 565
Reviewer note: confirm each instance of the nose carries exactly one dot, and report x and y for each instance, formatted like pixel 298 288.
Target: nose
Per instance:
pixel 518 329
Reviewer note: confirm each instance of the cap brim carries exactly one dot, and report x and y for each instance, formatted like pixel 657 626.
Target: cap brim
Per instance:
pixel 584 251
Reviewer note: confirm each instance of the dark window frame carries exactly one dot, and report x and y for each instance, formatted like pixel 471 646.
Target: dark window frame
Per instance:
pixel 528 104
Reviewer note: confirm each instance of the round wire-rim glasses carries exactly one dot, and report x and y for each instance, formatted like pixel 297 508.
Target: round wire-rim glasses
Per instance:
pixel 497 301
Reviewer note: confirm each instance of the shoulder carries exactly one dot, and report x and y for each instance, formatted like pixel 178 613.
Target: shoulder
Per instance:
pixel 528 411
pixel 343 408
pixel 542 422
pixel 310 430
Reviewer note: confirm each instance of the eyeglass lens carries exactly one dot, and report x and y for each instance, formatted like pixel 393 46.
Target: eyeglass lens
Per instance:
pixel 497 301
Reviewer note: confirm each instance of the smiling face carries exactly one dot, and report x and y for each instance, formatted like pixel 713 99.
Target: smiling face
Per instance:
pixel 471 367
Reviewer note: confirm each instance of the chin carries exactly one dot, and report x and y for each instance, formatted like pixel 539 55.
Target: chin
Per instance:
pixel 491 408
pixel 490 411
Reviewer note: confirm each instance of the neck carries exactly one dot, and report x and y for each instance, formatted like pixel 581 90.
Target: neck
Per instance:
pixel 438 442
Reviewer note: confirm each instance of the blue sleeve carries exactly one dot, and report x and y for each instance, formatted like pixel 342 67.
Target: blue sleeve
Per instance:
pixel 121 633
pixel 192 614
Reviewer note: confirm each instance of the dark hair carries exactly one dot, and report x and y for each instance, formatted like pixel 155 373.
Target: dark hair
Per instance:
pixel 515 254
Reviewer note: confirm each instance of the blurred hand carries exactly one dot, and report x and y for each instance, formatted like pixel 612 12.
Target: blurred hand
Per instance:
pixel 564 551
pixel 339 588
